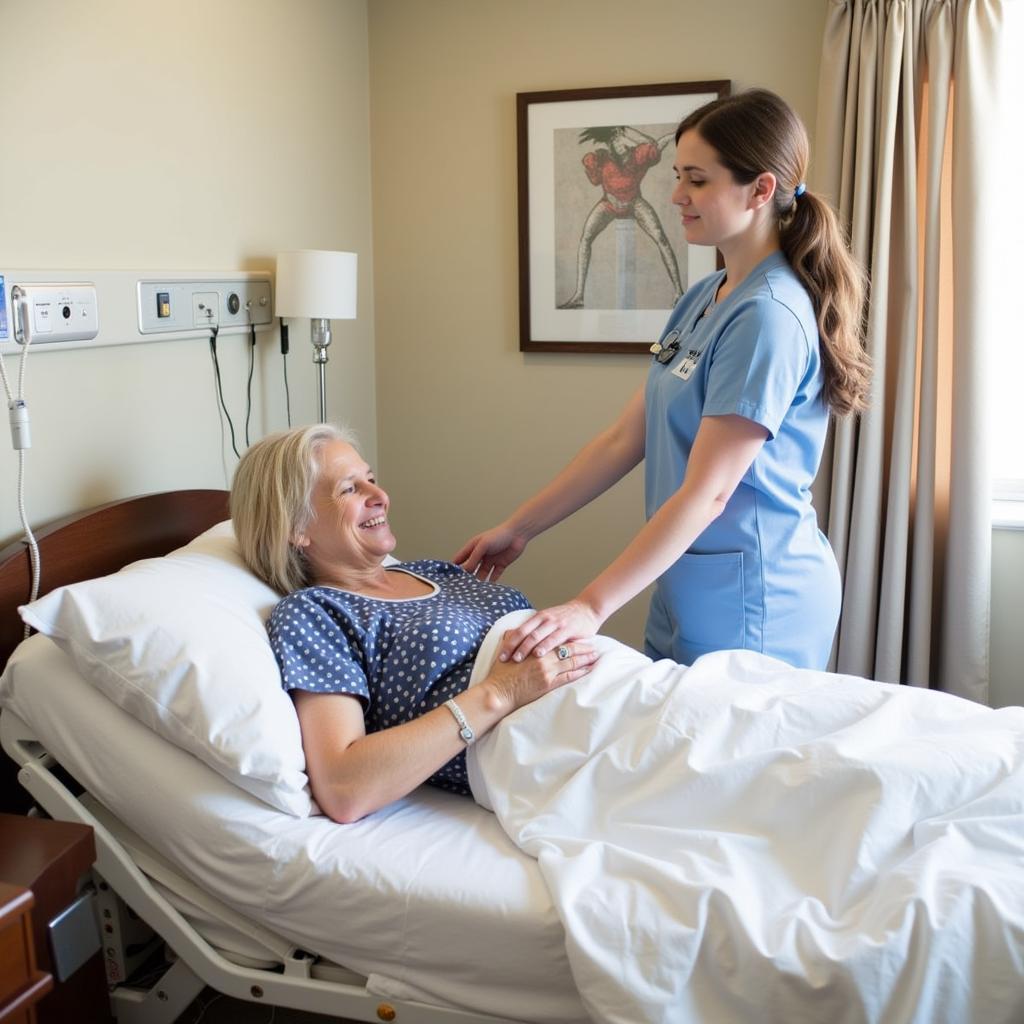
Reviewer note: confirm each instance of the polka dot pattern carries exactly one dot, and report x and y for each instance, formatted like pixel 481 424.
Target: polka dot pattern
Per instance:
pixel 401 658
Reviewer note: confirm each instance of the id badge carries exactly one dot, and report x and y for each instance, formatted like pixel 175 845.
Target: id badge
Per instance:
pixel 684 371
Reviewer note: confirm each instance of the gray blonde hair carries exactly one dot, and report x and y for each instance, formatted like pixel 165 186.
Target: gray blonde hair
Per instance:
pixel 272 501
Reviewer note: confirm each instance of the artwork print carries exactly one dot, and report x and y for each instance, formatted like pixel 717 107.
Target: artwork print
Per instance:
pixel 602 254
pixel 624 227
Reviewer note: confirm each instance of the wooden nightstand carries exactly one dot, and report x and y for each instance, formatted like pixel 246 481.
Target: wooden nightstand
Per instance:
pixel 48 858
pixel 21 984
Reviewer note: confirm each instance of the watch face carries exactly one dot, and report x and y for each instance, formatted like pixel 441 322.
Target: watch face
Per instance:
pixel 466 734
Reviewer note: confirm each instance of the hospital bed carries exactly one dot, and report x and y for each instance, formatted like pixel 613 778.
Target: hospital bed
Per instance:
pixel 424 913
pixel 813 899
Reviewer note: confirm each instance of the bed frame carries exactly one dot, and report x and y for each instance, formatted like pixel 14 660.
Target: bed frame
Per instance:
pixel 101 541
pixel 95 543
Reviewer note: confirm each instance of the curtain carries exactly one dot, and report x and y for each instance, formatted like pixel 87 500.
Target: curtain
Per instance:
pixel 907 119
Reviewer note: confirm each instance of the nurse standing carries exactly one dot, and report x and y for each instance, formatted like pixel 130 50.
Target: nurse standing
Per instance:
pixel 732 421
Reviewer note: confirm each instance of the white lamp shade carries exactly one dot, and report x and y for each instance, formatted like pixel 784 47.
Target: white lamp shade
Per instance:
pixel 313 283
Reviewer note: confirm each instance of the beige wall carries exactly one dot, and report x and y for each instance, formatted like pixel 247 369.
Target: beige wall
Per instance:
pixel 211 135
pixel 190 136
pixel 468 425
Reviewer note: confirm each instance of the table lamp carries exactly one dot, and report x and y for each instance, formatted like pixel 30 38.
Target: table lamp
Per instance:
pixel 321 286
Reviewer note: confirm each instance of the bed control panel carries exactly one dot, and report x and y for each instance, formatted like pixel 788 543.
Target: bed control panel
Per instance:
pixel 74 937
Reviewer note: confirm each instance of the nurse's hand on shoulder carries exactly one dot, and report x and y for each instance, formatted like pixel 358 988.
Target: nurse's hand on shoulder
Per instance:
pixel 549 629
pixel 490 553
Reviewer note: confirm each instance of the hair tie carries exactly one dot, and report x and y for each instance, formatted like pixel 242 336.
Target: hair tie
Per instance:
pixel 799 190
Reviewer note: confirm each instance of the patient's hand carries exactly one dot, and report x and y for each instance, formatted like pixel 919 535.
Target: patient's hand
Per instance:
pixel 515 683
pixel 490 553
pixel 547 629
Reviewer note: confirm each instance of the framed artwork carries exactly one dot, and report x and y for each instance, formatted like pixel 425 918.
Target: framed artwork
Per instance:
pixel 602 258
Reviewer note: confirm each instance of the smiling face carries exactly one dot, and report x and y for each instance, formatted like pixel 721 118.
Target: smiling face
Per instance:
pixel 349 534
pixel 715 209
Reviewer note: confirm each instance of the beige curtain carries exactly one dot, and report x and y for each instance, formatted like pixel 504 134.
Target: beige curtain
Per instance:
pixel 904 145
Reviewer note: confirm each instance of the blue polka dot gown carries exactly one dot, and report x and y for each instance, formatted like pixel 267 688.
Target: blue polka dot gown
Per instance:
pixel 401 658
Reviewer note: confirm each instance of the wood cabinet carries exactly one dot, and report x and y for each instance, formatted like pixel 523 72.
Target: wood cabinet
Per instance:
pixel 22 985
pixel 47 858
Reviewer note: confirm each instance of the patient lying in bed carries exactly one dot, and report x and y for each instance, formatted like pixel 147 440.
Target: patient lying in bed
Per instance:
pixel 375 656
pixel 731 841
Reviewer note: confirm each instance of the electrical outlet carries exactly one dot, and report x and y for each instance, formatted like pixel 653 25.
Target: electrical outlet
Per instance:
pixel 206 309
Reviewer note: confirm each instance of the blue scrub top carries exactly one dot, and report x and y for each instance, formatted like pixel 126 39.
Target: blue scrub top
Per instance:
pixel 762 575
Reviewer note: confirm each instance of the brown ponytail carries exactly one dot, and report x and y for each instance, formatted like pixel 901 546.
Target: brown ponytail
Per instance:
pixel 756 131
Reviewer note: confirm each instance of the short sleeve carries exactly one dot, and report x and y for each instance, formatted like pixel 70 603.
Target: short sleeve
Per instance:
pixel 758 364
pixel 316 651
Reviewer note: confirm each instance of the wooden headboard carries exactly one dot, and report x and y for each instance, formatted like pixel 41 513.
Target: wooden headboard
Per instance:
pixel 101 541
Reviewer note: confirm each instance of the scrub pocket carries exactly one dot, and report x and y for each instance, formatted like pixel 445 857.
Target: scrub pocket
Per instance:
pixel 704 597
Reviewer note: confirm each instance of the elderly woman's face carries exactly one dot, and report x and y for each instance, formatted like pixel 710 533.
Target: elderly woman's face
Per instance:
pixel 350 529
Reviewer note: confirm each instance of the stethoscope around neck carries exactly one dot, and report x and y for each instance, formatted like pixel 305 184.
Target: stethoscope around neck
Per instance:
pixel 664 351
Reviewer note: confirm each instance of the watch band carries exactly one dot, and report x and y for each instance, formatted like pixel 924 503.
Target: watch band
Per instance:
pixel 465 729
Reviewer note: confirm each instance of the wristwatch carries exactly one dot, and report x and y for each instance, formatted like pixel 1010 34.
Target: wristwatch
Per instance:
pixel 465 730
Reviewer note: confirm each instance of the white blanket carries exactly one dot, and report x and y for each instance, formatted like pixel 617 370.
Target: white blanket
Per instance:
pixel 744 841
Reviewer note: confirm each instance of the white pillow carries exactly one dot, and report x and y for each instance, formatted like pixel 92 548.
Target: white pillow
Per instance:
pixel 180 643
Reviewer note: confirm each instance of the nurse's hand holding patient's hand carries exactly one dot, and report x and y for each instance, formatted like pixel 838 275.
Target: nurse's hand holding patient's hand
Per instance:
pixel 490 553
pixel 550 628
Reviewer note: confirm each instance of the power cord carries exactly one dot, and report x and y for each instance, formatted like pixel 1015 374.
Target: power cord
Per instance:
pixel 21 438
pixel 284 366
pixel 248 383
pixel 214 331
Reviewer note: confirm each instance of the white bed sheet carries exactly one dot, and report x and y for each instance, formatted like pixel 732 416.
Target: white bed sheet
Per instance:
pixel 769 843
pixel 429 899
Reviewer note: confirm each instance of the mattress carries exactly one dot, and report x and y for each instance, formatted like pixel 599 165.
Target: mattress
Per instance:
pixel 428 899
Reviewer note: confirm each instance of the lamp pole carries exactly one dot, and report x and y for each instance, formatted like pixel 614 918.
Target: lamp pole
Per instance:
pixel 320 329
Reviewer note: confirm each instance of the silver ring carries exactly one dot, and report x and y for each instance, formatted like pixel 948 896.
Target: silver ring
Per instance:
pixel 563 652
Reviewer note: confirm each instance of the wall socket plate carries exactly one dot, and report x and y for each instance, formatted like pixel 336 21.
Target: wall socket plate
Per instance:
pixel 54 312
pixel 197 304
pixel 205 308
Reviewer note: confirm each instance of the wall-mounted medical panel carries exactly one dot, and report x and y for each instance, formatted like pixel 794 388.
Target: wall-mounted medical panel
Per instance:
pixel 126 307
pixel 172 306
pixel 54 312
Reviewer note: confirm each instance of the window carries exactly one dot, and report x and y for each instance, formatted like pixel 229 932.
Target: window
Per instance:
pixel 1007 371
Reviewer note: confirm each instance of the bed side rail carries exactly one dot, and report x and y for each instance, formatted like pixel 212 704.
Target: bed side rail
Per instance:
pixel 296 988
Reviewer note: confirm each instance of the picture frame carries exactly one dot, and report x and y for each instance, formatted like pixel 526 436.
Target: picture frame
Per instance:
pixel 597 230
